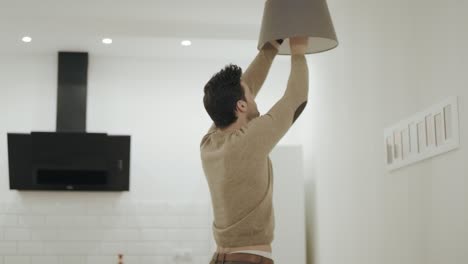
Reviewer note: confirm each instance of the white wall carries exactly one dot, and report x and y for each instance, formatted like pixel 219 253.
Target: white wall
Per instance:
pixel 395 58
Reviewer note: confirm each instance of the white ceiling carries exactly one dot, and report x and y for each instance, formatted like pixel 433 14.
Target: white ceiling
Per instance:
pixel 138 27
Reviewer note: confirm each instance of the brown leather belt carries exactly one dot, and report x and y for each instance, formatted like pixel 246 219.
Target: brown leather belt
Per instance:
pixel 241 257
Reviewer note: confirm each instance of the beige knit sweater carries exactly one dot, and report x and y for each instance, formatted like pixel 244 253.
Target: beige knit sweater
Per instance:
pixel 237 164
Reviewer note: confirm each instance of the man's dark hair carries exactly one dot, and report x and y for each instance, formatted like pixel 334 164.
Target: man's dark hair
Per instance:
pixel 222 92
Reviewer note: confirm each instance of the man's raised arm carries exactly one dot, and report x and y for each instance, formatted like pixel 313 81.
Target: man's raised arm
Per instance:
pixel 265 131
pixel 257 71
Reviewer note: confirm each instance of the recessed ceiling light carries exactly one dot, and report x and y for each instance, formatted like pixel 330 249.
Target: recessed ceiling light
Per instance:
pixel 107 41
pixel 186 43
pixel 26 39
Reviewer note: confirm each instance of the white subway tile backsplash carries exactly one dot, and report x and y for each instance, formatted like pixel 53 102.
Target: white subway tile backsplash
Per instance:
pixel 113 248
pixel 98 234
pixel 112 259
pixel 70 208
pixel 194 221
pixel 153 234
pixel 15 208
pixel 122 235
pixel 156 260
pixel 60 221
pixel 189 234
pixel 72 221
pixel 72 259
pixel 7 247
pixel 151 208
pixel 41 208
pixel 101 260
pixel 47 234
pixel 31 220
pixel 30 208
pixel 170 221
pixel 80 234
pixel 30 248
pixel 83 232
pixel 132 260
pixel 125 208
pixel 7 220
pixel 86 221
pixel 197 247
pixel 101 209
pixel 70 248
pixel 44 260
pixel 113 221
pixel 17 260
pixel 202 259
pixel 162 221
pixel 17 234
pixel 188 209
pixel 149 248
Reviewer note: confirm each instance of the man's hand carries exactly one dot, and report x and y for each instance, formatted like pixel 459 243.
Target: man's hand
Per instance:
pixel 276 43
pixel 298 45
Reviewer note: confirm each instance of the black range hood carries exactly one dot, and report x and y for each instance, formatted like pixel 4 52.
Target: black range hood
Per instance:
pixel 70 158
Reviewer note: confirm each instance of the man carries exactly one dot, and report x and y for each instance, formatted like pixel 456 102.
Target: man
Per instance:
pixel 235 152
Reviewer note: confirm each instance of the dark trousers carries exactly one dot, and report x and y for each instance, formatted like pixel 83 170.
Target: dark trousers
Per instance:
pixel 262 260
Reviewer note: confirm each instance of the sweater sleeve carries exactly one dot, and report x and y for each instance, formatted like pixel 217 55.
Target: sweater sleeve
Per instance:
pixel 257 71
pixel 264 132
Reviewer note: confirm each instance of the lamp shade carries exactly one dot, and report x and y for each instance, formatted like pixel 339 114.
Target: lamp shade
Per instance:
pixel 289 18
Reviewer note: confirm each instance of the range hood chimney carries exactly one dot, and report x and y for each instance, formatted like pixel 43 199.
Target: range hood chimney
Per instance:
pixel 72 91
pixel 70 158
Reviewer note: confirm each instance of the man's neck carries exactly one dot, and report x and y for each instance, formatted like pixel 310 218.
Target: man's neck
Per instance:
pixel 240 122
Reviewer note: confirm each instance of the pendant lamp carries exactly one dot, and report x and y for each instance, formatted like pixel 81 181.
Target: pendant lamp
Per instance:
pixel 289 18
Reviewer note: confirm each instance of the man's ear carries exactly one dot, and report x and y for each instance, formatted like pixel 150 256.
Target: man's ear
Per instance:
pixel 241 106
